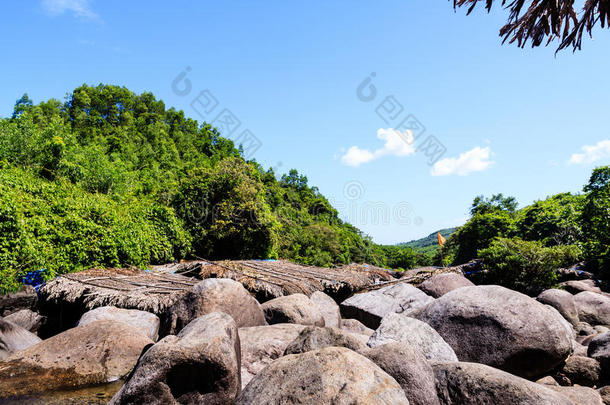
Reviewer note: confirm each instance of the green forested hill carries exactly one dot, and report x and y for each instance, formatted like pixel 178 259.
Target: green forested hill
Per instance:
pixel 429 241
pixel 114 178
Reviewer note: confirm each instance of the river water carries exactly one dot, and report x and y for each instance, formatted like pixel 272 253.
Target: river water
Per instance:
pixel 100 394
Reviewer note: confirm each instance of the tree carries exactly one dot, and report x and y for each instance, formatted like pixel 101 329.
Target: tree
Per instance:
pixel 497 202
pixel 554 221
pixel 479 232
pixel 548 20
pixel 22 105
pixel 225 211
pixel 595 220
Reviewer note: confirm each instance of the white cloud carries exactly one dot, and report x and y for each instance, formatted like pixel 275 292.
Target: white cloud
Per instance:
pixel 396 143
pixel 591 153
pixel 475 160
pixel 80 8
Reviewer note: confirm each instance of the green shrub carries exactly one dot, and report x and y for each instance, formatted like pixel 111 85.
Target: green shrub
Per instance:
pixel 525 266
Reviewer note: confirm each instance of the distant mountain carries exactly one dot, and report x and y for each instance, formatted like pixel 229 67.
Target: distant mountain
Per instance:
pixel 428 241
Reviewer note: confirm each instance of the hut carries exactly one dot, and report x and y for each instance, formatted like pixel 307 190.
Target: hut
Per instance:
pixel 268 279
pixel 65 298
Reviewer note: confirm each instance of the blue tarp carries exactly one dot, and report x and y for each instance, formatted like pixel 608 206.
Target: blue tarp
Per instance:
pixel 34 278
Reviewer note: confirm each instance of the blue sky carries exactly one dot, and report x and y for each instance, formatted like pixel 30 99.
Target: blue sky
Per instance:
pixel 511 120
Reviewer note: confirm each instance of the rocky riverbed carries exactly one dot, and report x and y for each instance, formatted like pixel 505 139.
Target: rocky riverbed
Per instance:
pixel 445 342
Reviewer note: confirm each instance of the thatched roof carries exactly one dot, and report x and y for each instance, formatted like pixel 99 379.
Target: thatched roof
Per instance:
pixel 67 297
pixel 274 278
pixel 122 288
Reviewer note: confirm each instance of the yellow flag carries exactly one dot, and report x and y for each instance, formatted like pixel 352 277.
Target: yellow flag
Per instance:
pixel 441 239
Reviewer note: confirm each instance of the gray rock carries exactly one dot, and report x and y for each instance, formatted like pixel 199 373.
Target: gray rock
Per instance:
pixel 355 326
pixel 13 302
pixel 604 392
pixel 501 328
pixel 215 295
pixel 601 329
pixel 548 380
pixel 415 333
pixel 201 365
pixel 580 395
pixel 478 384
pixel 295 308
pixel 578 286
pixel 582 370
pixel 27 319
pixel 409 368
pixel 579 350
pixel 563 302
pixel 599 349
pixel 96 353
pixel 328 308
pixel 370 307
pixel 315 338
pixel 441 284
pixel 593 308
pixel 260 345
pixel 334 375
pixel 14 338
pixel 587 339
pixel 584 329
pixel 145 322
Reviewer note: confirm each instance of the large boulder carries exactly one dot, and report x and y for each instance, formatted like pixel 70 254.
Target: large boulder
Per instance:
pixel 501 328
pixel 260 345
pixel 328 308
pixel 578 286
pixel 599 349
pixel 215 295
pixel 334 375
pixel 593 308
pixel 355 326
pixel 14 338
pixel 478 384
pixel 580 395
pixel 27 319
pixel 415 333
pixel 441 284
pixel 563 302
pixel 96 353
pixel 295 308
pixel 201 365
pixel 409 368
pixel 581 370
pixel 145 322
pixel 370 307
pixel 314 338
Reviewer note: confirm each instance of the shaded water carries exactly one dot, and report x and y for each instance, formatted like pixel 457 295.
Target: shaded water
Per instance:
pixel 99 394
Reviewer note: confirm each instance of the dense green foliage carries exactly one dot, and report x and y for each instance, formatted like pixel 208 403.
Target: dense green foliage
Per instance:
pixel 521 248
pixel 526 266
pixel 595 220
pixel 113 178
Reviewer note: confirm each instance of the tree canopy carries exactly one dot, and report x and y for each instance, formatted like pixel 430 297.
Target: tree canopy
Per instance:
pixel 541 22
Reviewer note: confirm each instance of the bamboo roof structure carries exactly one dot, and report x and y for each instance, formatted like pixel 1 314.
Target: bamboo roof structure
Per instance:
pixel 122 288
pixel 269 279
